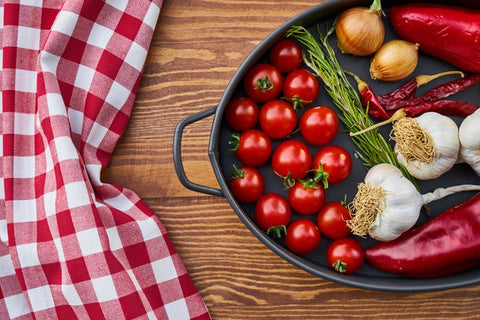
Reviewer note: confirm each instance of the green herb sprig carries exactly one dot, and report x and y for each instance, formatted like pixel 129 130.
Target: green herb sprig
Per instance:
pixel 321 58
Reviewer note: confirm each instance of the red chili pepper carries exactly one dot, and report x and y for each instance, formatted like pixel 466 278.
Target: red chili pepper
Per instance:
pixel 445 107
pixel 442 91
pixel 444 245
pixel 369 100
pixel 449 33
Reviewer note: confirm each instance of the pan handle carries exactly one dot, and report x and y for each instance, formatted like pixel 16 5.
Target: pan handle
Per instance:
pixel 177 153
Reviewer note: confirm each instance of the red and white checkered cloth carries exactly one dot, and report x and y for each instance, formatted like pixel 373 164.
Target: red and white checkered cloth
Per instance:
pixel 71 246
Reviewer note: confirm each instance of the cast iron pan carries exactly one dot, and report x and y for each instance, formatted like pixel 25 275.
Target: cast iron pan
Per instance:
pixel 222 159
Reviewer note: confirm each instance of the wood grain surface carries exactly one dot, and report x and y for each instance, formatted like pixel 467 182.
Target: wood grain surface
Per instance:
pixel 197 47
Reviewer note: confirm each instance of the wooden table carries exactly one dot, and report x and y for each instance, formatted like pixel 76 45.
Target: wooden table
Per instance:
pixel 197 47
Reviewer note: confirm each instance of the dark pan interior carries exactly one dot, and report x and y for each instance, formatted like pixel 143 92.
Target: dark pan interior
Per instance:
pixel 222 159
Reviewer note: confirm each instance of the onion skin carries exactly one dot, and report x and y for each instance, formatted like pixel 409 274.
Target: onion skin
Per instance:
pixel 449 33
pixel 360 31
pixel 396 60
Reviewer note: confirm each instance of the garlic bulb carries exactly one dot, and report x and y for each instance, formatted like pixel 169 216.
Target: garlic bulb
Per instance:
pixel 469 136
pixel 387 204
pixel 427 145
pixel 395 60
pixel 360 31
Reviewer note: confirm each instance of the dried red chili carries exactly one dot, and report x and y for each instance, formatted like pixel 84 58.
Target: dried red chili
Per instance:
pixel 444 245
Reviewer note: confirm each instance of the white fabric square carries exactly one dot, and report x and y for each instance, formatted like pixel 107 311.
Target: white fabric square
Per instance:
pixel 99 36
pixel 33 3
pixel 97 133
pixel 24 123
pixel 89 241
pixel 48 159
pixel 114 239
pixel 84 77
pixel 120 202
pixel 24 210
pixel 41 298
pixel 104 288
pixel 49 62
pixel 76 120
pixel 28 255
pixel 149 229
pixel 177 310
pixel 136 56
pixel 71 295
pixel 55 104
pixel 77 194
pixel 118 95
pixel 59 247
pixel 16 305
pixel 118 4
pixel 94 171
pixel 65 149
pixel 3 231
pixel 25 80
pixel 65 22
pixel 23 167
pixel 151 16
pixel 164 270
pixel 49 200
pixel 28 38
pixel 6 266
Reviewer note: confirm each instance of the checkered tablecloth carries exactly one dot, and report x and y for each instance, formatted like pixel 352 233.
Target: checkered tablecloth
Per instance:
pixel 72 247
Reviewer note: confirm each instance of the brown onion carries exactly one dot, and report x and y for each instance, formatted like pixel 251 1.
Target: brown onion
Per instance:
pixel 395 60
pixel 360 30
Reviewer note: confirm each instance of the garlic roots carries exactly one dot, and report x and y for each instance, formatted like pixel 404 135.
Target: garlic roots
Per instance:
pixel 387 204
pixel 395 60
pixel 360 30
pixel 469 136
pixel 427 145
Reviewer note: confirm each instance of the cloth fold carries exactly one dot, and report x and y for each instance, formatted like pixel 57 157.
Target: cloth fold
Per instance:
pixel 70 245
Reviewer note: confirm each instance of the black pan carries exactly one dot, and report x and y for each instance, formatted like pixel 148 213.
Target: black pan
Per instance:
pixel 222 159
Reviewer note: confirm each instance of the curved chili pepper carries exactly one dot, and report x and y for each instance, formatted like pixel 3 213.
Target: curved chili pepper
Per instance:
pixel 444 245
pixel 442 91
pixel 449 33
pixel 369 100
pixel 445 107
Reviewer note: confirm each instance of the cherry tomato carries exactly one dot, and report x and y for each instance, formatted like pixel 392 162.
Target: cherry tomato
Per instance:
pixel 241 114
pixel 247 184
pixel 277 119
pixel 292 159
pixel 252 148
pixel 301 87
pixel 335 161
pixel 332 220
pixel 319 125
pixel 345 255
pixel 263 82
pixel 286 55
pixel 273 213
pixel 302 236
pixel 306 197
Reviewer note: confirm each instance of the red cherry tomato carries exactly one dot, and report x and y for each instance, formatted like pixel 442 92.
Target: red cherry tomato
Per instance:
pixel 292 159
pixel 319 125
pixel 301 87
pixel 332 220
pixel 302 236
pixel 241 114
pixel 345 255
pixel 286 55
pixel 277 119
pixel 272 213
pixel 263 82
pixel 252 148
pixel 335 161
pixel 247 184
pixel 306 197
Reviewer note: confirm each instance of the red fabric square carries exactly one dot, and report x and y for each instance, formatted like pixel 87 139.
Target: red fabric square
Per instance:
pixel 109 64
pixel 128 26
pixel 78 270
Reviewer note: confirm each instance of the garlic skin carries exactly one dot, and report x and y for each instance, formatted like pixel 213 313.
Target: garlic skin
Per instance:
pixel 469 136
pixel 360 31
pixel 402 202
pixel 444 133
pixel 395 60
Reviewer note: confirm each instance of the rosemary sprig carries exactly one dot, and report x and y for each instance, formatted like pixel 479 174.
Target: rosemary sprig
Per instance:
pixel 321 58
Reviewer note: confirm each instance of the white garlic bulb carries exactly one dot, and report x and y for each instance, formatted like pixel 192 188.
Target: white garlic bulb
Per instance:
pixel 427 145
pixel 469 136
